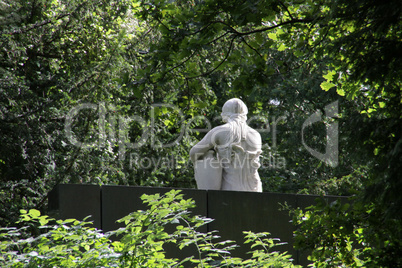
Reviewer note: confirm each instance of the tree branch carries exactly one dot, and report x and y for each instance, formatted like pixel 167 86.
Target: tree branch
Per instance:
pixel 255 50
pixel 214 69
pixel 38 25
pixel 181 63
pixel 219 37
pixel 292 21
pixel 287 10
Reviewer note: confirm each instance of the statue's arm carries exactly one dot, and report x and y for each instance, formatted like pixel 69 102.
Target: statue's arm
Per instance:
pixel 202 147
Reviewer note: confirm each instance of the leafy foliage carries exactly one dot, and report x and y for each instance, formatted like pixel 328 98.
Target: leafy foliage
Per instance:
pixel 54 55
pixel 344 235
pixel 140 243
pixel 148 72
pixel 333 242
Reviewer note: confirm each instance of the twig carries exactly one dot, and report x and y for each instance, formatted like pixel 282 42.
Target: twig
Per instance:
pixel 214 69
pixel 255 50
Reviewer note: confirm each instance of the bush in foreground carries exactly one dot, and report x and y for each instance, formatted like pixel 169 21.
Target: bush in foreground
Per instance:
pixel 73 243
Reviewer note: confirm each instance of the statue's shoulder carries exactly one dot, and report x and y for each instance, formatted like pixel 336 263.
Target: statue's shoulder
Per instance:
pixel 253 132
pixel 220 132
pixel 254 139
pixel 224 127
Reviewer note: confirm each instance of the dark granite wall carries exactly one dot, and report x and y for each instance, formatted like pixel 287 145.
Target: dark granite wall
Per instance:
pixel 233 212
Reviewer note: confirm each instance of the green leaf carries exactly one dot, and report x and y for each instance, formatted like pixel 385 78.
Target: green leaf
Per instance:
pixel 327 85
pixel 298 53
pixel 272 36
pixel 329 75
pixel 43 220
pixel 340 92
pixel 282 47
pixel 34 213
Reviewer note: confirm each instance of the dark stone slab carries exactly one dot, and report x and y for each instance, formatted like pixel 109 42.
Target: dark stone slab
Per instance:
pixel 119 201
pixel 76 201
pixel 235 212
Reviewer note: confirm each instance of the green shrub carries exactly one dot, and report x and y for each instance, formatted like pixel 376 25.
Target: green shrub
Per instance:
pixel 73 243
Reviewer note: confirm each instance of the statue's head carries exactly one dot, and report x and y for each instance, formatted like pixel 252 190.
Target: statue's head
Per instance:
pixel 234 108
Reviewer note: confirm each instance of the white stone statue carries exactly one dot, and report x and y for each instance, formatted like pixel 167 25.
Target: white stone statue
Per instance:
pixel 227 158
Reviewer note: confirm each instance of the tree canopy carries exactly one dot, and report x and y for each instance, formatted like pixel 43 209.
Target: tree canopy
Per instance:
pixel 113 92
